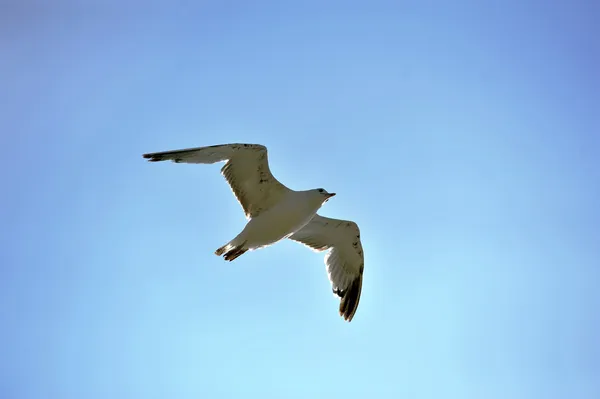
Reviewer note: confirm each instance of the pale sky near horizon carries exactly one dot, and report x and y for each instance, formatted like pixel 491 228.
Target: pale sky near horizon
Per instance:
pixel 462 137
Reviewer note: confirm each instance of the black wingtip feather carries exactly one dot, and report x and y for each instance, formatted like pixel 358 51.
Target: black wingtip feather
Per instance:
pixel 350 299
pixel 151 158
pixel 158 158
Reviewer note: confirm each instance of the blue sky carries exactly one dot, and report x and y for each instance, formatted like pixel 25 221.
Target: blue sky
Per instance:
pixel 462 137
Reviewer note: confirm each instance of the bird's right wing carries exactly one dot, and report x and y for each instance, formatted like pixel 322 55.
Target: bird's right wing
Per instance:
pixel 246 170
pixel 345 262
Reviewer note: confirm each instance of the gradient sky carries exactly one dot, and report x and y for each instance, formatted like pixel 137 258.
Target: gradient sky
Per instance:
pixel 462 137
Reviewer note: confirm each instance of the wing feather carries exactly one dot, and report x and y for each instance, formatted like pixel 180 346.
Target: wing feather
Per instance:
pixel 345 260
pixel 246 170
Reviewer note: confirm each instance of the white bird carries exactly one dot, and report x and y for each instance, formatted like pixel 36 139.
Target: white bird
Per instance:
pixel 275 212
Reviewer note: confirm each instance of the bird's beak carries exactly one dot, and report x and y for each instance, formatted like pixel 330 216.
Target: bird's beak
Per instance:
pixel 330 195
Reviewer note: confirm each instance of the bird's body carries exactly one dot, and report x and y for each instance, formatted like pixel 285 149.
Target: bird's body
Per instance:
pixel 275 212
pixel 293 212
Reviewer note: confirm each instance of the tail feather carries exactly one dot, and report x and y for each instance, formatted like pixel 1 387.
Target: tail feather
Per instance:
pixel 234 253
pixel 222 250
pixel 230 252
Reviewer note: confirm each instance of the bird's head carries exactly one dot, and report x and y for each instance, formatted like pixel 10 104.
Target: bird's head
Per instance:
pixel 322 194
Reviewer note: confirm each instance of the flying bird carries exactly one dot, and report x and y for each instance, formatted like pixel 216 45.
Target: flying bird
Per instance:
pixel 276 212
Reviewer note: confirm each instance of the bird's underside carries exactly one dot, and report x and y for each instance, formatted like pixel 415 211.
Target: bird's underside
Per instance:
pixel 247 172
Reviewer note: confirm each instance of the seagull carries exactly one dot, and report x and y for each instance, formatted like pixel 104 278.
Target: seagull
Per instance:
pixel 276 212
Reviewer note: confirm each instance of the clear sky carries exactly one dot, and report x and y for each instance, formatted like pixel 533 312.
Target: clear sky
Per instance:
pixel 461 136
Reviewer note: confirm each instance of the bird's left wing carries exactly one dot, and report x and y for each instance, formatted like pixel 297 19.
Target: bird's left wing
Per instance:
pixel 344 261
pixel 246 170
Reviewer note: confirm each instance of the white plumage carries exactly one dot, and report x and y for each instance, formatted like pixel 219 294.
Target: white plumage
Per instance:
pixel 275 212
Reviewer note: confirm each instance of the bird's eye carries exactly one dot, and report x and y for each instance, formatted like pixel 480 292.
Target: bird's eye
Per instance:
pixel 320 190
